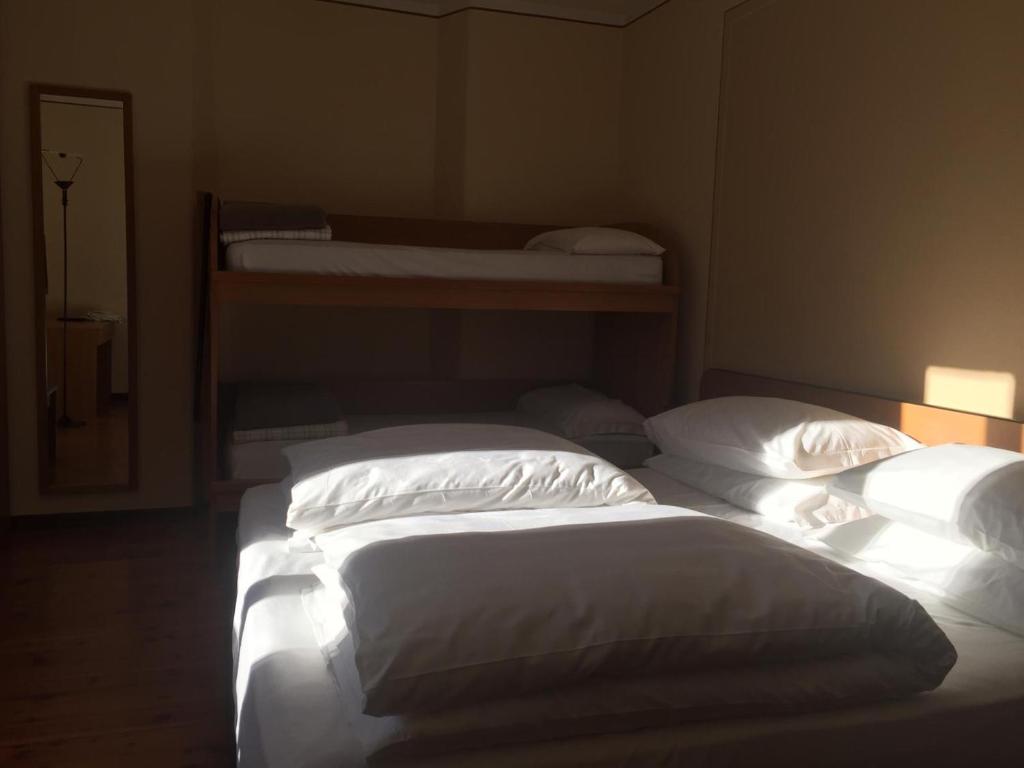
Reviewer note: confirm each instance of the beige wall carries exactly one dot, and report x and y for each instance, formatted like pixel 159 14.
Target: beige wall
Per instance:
pixel 450 153
pixel 528 117
pixel 868 231
pixel 870 226
pixel 542 120
pixel 669 116
pixel 355 109
pixel 322 103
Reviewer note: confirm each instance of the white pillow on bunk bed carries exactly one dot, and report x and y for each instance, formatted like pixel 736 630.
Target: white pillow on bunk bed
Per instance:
pixel 805 503
pixel 293 432
pixel 574 411
pixel 773 437
pixel 595 241
pixel 442 468
pixel 964 493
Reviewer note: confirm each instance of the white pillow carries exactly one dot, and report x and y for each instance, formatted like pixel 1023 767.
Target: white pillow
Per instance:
pixel 773 437
pixel 595 241
pixel 440 468
pixel 805 503
pixel 965 493
pixel 979 584
pixel 574 411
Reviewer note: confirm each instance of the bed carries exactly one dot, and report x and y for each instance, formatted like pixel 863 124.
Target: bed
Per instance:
pixel 351 259
pixel 290 712
pixel 443 270
pixel 291 702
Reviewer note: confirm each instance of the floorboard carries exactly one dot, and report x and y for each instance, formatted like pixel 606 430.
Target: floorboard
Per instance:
pixel 116 642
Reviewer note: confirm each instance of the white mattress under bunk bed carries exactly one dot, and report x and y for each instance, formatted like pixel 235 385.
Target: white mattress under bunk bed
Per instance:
pixel 290 708
pixel 334 257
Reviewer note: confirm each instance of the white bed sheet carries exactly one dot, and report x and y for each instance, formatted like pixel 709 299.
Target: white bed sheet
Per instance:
pixel 287 704
pixel 335 257
pixel 290 712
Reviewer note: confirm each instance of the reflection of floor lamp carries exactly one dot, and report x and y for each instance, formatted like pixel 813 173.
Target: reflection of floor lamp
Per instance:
pixel 63 167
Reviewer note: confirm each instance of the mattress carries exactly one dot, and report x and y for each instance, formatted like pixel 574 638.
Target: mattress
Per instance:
pixel 335 257
pixel 289 711
pixel 263 460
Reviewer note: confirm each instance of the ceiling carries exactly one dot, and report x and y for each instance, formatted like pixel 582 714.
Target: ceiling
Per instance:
pixel 617 13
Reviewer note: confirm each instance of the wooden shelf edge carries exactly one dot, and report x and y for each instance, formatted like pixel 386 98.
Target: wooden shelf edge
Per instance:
pixel 436 293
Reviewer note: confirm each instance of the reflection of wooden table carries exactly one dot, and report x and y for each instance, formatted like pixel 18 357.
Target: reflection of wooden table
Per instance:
pixel 89 365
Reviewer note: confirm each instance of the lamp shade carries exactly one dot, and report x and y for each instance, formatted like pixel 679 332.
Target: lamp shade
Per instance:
pixel 62 165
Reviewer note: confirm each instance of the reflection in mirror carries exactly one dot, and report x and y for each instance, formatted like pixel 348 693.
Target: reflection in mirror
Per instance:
pixel 82 150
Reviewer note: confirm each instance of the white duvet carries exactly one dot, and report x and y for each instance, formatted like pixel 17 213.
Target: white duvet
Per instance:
pixel 770 587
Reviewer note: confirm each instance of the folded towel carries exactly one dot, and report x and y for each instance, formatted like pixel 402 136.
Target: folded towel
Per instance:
pixel 240 216
pixel 238 236
pixel 297 432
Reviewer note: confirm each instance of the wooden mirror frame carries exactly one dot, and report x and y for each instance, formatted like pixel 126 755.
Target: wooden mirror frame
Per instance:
pixel 36 91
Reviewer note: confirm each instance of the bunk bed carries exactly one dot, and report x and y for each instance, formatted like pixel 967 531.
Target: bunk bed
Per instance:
pixel 634 326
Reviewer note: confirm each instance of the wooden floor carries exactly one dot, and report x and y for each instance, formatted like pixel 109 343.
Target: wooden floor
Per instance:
pixel 115 642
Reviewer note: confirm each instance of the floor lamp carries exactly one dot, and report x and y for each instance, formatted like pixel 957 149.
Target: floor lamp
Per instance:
pixel 64 167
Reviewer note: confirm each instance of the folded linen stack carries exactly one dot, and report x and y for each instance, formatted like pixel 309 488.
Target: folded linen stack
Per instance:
pixel 267 221
pixel 269 417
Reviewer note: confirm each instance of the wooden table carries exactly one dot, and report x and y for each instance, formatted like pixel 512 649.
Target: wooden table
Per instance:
pixel 89 365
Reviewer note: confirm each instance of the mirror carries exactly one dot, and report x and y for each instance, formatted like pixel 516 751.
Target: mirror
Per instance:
pixel 85 288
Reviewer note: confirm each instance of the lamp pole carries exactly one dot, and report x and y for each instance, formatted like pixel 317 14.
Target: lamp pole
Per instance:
pixel 64 181
pixel 65 420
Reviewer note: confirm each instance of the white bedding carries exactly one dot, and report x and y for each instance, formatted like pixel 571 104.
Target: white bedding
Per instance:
pixel 371 260
pixel 290 712
pixel 442 469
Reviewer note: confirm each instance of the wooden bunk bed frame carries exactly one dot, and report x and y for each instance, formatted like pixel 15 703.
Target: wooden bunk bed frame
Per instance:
pixel 635 326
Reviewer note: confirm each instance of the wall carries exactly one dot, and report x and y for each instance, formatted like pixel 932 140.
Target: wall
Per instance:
pixel 322 103
pixel 670 111
pixel 358 110
pixel 542 120
pixel 869 198
pixel 867 231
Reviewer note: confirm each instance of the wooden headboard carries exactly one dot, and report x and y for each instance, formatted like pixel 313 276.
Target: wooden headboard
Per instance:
pixel 929 424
